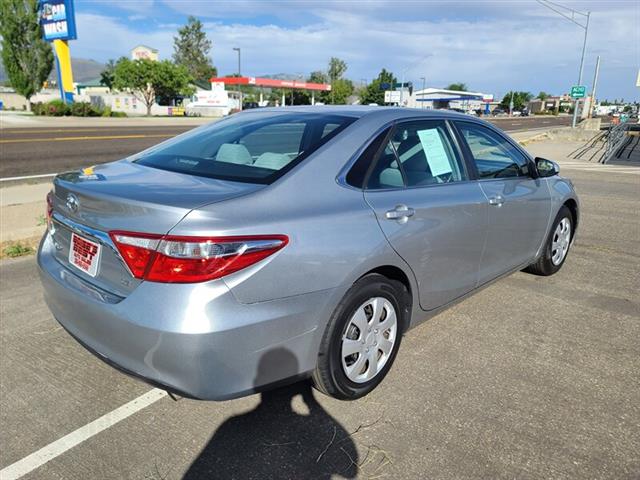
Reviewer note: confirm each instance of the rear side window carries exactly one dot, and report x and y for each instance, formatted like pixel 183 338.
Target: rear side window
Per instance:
pixel 357 175
pixel 251 147
pixel 493 155
pixel 418 154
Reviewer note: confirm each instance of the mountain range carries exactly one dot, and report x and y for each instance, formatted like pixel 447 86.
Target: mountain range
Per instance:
pixel 84 69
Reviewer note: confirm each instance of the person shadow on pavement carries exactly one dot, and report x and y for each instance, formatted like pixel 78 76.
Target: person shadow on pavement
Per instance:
pixel 273 441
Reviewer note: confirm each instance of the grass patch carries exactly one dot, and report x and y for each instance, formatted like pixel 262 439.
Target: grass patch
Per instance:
pixel 18 250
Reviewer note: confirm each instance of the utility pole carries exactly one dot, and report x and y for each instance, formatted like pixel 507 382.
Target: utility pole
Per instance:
pixel 595 84
pixel 511 105
pixel 555 6
pixel 424 80
pixel 237 49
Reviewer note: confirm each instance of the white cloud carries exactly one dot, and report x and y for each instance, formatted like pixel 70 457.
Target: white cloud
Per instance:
pixel 515 45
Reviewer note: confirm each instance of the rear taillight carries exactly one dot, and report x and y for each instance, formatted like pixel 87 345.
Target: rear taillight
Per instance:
pixel 177 259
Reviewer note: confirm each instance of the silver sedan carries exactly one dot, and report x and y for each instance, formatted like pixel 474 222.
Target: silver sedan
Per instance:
pixel 294 243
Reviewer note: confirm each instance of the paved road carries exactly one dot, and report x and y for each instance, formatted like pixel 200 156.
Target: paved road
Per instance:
pixel 35 151
pixel 531 378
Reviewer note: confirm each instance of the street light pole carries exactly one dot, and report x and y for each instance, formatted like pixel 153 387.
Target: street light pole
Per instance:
pixel 595 84
pixel 584 47
pixel 424 80
pixel 237 49
pixel 554 6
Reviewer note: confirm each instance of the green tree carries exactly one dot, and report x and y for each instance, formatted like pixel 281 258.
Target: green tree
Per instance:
pixel 372 93
pixel 337 68
pixel 108 74
pixel 147 79
pixel 458 87
pixel 27 58
pixel 520 100
pixel 341 90
pixel 543 96
pixel 191 50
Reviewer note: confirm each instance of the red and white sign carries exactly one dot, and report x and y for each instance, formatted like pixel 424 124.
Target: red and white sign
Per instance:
pixel 84 254
pixel 271 83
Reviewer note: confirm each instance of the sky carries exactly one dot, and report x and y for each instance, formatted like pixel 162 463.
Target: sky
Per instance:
pixel 492 46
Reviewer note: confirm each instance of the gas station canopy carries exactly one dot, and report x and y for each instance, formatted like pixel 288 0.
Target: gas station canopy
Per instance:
pixel 272 83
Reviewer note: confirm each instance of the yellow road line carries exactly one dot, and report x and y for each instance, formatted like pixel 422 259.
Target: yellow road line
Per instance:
pixel 75 139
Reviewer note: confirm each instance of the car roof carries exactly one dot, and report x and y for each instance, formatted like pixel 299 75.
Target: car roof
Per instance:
pixel 366 110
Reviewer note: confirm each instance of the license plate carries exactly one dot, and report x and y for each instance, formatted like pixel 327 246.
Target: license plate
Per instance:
pixel 84 254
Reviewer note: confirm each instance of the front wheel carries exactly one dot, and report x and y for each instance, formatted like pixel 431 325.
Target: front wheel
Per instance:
pixel 362 338
pixel 556 247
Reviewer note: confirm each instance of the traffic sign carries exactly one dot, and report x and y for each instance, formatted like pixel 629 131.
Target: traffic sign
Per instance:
pixel 578 91
pixel 392 96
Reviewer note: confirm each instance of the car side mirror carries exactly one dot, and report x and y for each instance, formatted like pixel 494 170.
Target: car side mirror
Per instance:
pixel 546 168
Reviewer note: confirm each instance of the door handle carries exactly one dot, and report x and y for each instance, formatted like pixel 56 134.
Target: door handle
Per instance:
pixel 496 201
pixel 400 213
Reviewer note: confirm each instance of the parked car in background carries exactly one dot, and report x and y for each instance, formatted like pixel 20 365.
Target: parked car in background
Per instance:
pixel 250 105
pixel 498 111
pixel 318 234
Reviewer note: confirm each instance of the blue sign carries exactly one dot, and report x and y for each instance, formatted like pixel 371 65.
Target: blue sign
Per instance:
pixel 58 20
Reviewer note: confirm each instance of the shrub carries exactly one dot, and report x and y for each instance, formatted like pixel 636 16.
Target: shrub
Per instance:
pixel 36 108
pixel 84 109
pixel 57 108
pixel 118 114
pixel 106 112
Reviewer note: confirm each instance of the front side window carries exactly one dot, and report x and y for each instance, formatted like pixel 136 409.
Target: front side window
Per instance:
pixel 493 155
pixel 250 147
pixel 419 153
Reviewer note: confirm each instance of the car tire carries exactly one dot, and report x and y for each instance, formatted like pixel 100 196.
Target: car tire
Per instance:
pixel 363 320
pixel 557 245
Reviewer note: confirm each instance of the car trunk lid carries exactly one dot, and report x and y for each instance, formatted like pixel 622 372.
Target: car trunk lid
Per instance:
pixel 125 196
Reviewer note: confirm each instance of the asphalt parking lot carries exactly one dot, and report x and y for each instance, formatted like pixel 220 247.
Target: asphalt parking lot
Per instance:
pixel 531 378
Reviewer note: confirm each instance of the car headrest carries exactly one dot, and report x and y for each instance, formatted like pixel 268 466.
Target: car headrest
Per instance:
pixel 234 153
pixel 273 161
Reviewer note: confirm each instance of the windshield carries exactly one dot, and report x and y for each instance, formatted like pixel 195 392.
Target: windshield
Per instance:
pixel 250 147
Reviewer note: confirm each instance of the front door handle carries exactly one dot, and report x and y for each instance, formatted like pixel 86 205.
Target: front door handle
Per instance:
pixel 400 213
pixel 496 201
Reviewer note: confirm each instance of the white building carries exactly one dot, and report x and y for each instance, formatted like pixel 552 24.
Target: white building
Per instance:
pixel 437 98
pixel 142 51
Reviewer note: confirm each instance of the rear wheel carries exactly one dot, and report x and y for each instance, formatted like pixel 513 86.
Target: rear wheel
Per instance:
pixel 362 338
pixel 557 246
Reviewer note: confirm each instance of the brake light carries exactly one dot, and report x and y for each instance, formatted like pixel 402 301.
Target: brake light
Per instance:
pixel 178 259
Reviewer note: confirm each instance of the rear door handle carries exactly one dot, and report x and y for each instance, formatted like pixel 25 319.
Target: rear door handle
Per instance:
pixel 496 201
pixel 400 213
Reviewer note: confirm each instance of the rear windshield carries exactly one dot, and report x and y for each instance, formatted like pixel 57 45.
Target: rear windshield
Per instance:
pixel 249 147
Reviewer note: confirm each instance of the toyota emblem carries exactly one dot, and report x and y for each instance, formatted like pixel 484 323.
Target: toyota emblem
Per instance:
pixel 72 203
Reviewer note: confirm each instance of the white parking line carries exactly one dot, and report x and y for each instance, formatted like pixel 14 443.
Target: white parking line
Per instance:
pixel 27 177
pixel 57 448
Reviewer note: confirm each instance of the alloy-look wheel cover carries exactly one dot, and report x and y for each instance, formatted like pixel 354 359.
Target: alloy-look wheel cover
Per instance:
pixel 369 339
pixel 561 241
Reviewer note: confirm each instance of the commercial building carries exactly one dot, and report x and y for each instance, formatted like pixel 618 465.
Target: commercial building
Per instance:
pixel 439 98
pixel 142 51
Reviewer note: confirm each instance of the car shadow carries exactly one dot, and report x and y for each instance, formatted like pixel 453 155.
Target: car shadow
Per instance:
pixel 275 441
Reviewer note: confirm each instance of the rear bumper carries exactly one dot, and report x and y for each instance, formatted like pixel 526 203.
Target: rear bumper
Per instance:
pixel 196 340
